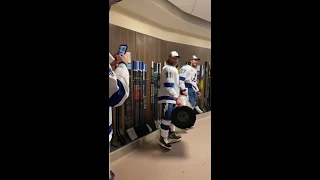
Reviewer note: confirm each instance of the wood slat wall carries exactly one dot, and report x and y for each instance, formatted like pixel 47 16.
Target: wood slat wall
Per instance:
pixel 204 55
pixel 147 49
pixel 185 51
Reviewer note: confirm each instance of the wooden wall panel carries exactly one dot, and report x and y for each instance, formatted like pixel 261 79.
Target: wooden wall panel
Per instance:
pixel 204 55
pixel 141 55
pixel 114 38
pixel 119 35
pixel 149 49
pixel 185 51
pixel 140 46
pixel 162 51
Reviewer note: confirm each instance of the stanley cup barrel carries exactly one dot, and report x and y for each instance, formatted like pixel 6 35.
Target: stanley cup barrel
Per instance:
pixel 183 117
pixel 185 101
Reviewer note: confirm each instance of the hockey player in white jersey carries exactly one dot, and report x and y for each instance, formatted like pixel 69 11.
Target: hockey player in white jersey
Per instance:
pixel 188 80
pixel 168 98
pixel 118 89
pixel 118 85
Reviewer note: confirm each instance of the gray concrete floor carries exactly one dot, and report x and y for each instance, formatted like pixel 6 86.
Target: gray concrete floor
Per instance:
pixel 189 159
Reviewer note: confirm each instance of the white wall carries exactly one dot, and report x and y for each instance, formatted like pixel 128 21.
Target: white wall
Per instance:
pixel 120 17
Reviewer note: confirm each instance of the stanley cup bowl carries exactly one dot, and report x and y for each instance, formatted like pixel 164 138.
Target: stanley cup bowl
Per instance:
pixel 183 117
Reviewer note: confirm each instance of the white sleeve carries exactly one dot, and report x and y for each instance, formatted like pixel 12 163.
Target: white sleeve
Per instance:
pixel 118 85
pixel 196 88
pixel 182 78
pixel 168 83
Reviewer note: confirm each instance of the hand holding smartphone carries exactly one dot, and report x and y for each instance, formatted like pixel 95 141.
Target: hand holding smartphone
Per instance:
pixel 122 49
pixel 119 57
pixel 121 52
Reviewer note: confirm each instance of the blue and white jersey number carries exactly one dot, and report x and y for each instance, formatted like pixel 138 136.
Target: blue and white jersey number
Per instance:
pixel 194 79
pixel 182 71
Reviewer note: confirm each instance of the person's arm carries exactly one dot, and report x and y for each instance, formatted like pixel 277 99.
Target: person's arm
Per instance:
pixel 182 78
pixel 195 86
pixel 169 82
pixel 196 89
pixel 118 85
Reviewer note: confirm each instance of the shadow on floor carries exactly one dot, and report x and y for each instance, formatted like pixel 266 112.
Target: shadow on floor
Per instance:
pixel 153 149
pixel 181 131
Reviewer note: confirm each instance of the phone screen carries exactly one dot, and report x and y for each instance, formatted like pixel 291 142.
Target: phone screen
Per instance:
pixel 122 50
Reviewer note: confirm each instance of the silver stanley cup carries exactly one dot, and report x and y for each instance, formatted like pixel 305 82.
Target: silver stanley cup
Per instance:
pixel 185 101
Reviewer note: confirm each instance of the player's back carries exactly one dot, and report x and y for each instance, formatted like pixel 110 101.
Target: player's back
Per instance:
pixel 169 80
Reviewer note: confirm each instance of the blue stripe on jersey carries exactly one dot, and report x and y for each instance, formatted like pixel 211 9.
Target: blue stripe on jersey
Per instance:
pixel 182 78
pixel 117 96
pixel 168 84
pixel 110 128
pixel 165 98
pixel 188 85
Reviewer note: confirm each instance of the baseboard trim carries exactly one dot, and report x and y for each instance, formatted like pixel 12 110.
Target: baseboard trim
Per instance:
pixel 119 153
pixel 203 115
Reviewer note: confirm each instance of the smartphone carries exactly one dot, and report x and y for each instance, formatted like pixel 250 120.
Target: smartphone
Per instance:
pixel 122 49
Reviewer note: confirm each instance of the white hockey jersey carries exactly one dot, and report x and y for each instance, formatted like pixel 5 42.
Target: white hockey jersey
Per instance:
pixel 188 78
pixel 118 90
pixel 169 85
